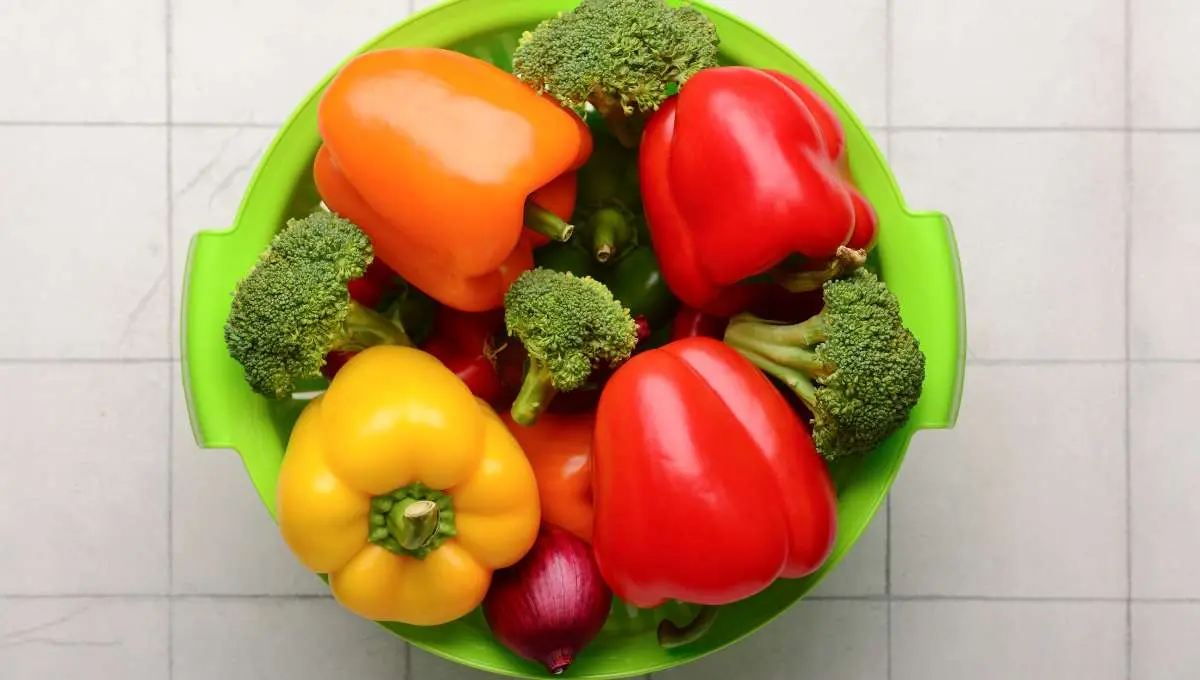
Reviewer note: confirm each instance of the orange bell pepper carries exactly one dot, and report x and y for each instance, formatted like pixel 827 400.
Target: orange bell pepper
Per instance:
pixel 559 447
pixel 453 167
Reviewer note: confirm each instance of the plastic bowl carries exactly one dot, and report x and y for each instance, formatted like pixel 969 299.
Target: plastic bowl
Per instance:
pixel 916 256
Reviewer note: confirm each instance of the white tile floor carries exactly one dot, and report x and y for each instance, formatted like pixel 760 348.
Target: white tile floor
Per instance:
pixel 1051 536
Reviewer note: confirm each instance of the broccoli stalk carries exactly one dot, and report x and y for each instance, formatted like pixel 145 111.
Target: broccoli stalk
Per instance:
pixel 294 308
pixel 622 56
pixel 569 325
pixel 854 364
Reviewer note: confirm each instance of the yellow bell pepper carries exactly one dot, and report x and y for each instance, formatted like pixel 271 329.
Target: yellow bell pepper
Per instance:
pixel 405 489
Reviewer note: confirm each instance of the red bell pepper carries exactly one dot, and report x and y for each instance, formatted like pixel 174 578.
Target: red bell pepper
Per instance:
pixel 714 507
pixel 741 172
pixel 370 288
pixel 691 323
pixel 465 343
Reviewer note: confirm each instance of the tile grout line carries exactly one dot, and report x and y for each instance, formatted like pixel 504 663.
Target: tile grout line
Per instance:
pixel 168 56
pixel 1128 65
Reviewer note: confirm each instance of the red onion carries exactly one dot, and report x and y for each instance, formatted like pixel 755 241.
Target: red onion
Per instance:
pixel 551 604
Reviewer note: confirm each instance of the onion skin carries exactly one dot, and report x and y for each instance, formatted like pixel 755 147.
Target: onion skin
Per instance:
pixel 550 605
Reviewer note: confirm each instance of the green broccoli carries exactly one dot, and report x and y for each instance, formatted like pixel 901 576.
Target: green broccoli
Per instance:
pixel 854 364
pixel 569 325
pixel 293 308
pixel 622 56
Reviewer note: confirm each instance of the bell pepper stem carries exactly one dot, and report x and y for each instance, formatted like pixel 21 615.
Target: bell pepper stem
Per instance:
pixel 415 523
pixel 671 635
pixel 413 520
pixel 537 391
pixel 845 261
pixel 547 223
pixel 611 233
pixel 365 327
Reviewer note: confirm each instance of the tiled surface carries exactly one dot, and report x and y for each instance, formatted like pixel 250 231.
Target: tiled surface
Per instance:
pixel 1166 546
pixel 1020 202
pixel 84 225
pixel 1008 64
pixel 84 638
pixel 1008 640
pixel 271 53
pixel 830 640
pixel 1164 641
pixel 253 638
pixel 1164 64
pixel 1049 536
pixel 970 509
pixel 83 465
pixel 1165 287
pixel 101 60
pixel 848 45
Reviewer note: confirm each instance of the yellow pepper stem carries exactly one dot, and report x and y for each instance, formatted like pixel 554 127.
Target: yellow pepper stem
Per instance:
pixel 415 524
pixel 413 520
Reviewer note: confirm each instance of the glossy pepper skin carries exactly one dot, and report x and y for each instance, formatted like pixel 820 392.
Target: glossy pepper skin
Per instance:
pixel 405 489
pixel 466 343
pixel 559 447
pixel 742 170
pixel 715 507
pixel 691 323
pixel 435 155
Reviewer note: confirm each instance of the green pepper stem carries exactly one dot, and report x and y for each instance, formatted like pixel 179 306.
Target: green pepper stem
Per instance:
pixel 611 233
pixel 547 223
pixel 365 327
pixel 412 521
pixel 845 261
pixel 671 635
pixel 537 391
pixel 413 524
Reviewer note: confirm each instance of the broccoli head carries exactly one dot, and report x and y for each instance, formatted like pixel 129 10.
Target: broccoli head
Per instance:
pixel 622 56
pixel 569 325
pixel 293 308
pixel 854 365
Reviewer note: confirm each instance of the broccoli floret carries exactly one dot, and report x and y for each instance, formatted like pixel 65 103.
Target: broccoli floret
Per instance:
pixel 854 365
pixel 293 308
pixel 622 56
pixel 569 325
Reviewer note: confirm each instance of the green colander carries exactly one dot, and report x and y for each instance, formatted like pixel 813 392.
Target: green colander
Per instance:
pixel 916 256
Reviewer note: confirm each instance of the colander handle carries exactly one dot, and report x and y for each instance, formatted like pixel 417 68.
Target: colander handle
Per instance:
pixel 220 406
pixel 929 286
